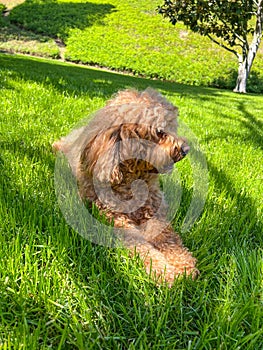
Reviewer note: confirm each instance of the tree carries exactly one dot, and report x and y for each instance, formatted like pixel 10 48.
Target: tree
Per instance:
pixel 235 25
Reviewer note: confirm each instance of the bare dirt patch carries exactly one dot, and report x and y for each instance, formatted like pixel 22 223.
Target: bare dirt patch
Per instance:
pixel 11 3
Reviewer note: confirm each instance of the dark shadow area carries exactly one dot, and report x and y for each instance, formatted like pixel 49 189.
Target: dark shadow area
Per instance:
pixel 235 225
pixel 253 126
pixel 56 19
pixel 227 81
pixel 253 134
pixel 13 196
pixel 254 82
pixel 245 224
pixel 22 148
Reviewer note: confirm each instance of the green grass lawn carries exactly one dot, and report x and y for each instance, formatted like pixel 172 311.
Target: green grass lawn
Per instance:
pixel 60 291
pixel 121 35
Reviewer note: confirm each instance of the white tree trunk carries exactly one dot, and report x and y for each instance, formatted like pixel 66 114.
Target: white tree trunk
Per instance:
pixel 246 60
pixel 241 84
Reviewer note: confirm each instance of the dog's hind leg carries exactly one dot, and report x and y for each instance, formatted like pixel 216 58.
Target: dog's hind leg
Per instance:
pixel 154 260
pixel 170 245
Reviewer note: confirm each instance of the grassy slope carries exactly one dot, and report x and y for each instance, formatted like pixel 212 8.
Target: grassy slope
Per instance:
pixel 126 35
pixel 59 290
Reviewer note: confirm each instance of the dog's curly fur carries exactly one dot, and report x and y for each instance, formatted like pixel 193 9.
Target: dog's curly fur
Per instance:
pixel 133 138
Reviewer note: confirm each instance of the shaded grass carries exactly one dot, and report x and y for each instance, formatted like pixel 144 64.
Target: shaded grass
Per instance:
pixel 66 15
pixel 58 290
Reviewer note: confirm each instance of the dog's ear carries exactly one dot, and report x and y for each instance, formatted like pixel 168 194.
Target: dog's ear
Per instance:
pixel 101 156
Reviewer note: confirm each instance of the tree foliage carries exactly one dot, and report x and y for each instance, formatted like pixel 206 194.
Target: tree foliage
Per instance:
pixel 229 23
pixel 224 19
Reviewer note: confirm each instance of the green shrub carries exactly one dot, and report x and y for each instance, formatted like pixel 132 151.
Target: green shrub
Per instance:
pixel 2 8
pixel 2 20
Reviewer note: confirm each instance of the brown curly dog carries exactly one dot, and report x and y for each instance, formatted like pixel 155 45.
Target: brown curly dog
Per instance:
pixel 116 159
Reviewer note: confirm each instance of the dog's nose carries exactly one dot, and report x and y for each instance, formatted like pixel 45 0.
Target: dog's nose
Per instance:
pixel 185 149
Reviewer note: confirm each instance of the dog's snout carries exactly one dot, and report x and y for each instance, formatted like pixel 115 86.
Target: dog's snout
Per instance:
pixel 185 149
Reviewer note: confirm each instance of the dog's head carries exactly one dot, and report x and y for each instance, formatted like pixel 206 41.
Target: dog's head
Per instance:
pixel 131 148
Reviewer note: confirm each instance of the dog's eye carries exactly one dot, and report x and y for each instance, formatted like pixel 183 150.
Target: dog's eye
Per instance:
pixel 160 132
